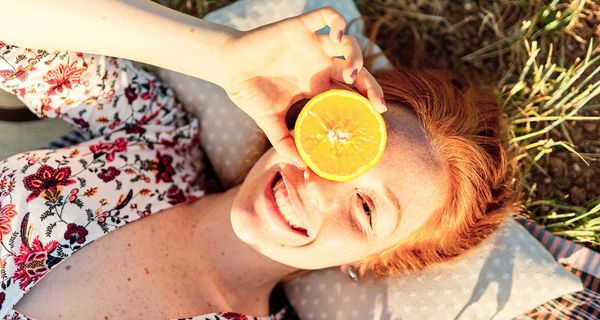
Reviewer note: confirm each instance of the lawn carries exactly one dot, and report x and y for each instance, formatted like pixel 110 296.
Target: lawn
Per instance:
pixel 543 58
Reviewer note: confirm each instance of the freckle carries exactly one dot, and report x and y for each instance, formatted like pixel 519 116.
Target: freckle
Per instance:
pixel 129 244
pixel 128 279
pixel 105 317
pixel 67 267
pixel 146 271
pixel 209 305
pixel 192 30
pixel 222 253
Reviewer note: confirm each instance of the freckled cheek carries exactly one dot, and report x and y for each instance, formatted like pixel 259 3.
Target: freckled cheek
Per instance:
pixel 338 244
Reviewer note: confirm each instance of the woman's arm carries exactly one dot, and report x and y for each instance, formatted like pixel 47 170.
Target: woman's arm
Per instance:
pixel 138 30
pixel 264 70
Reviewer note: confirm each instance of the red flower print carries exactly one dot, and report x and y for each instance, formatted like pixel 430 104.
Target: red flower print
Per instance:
pixel 175 195
pixel 46 178
pixel 33 262
pixel 134 129
pixel 163 168
pixel 63 77
pixel 109 148
pixel 2 297
pixel 7 213
pixel 21 73
pixel 233 316
pixel 73 195
pixel 81 122
pixel 109 174
pixel 75 233
pixel 130 94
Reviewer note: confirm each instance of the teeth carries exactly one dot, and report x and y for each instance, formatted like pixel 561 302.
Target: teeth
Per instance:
pixel 285 206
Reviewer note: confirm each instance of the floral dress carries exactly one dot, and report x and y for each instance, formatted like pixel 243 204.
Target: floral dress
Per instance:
pixel 143 157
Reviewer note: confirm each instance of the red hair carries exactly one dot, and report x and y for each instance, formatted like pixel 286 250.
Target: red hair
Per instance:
pixel 464 125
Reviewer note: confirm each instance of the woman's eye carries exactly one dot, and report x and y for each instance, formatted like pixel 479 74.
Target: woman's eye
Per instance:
pixel 366 208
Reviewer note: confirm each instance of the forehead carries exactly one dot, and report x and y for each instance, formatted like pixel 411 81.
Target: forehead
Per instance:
pixel 407 137
pixel 411 168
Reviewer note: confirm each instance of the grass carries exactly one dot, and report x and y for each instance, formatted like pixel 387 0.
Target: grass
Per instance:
pixel 546 68
pixel 544 59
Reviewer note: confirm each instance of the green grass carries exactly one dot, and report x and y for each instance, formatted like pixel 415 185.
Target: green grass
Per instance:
pixel 545 65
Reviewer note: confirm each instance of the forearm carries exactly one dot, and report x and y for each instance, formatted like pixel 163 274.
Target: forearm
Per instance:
pixel 133 29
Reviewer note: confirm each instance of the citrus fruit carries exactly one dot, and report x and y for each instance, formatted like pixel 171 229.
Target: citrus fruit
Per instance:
pixel 340 135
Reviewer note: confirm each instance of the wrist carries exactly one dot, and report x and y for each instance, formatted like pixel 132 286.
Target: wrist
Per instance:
pixel 227 58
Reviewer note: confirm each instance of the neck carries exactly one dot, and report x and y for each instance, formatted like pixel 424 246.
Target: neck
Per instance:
pixel 243 276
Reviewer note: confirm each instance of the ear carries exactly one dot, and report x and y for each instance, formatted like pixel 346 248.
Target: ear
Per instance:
pixel 344 268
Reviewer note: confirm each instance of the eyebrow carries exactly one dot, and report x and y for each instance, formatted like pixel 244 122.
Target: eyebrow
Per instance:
pixel 394 200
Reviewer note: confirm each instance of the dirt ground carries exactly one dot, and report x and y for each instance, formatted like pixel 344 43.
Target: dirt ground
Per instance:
pixel 564 175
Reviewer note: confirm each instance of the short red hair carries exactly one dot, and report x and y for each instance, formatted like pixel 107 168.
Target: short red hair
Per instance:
pixel 465 126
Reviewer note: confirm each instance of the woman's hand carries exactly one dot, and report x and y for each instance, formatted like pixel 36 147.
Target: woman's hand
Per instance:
pixel 271 67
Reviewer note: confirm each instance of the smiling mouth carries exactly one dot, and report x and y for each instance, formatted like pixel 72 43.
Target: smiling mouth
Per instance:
pixel 284 206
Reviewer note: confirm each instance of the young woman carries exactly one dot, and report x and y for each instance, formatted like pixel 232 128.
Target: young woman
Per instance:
pixel 437 192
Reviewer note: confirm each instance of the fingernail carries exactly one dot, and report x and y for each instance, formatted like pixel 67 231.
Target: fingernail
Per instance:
pixel 301 166
pixel 383 103
pixel 339 36
pixel 353 74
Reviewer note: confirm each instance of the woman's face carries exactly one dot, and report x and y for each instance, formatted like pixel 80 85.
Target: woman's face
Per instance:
pixel 297 218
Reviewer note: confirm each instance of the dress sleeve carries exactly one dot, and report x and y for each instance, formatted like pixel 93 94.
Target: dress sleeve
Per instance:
pixel 96 94
pixel 144 157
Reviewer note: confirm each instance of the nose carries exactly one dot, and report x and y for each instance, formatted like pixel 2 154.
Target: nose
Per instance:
pixel 323 192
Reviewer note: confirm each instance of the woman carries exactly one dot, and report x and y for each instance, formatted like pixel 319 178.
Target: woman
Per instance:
pixel 433 196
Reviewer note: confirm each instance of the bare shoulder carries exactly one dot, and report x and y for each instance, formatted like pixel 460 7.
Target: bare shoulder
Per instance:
pixel 140 270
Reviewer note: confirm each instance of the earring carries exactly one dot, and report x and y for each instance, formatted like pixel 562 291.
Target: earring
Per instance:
pixel 352 274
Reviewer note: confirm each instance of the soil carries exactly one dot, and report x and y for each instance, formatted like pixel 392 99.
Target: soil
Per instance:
pixel 564 175
pixel 464 28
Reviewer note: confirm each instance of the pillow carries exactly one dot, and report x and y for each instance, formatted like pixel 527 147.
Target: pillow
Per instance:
pixel 506 276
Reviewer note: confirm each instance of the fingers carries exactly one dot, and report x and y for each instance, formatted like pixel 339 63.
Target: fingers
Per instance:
pixel 281 139
pixel 350 69
pixel 325 17
pixel 367 85
pixel 344 70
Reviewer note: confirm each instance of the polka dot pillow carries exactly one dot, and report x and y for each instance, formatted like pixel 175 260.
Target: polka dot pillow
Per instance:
pixel 508 275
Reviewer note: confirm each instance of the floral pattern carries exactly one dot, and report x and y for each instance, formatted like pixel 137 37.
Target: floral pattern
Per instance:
pixel 46 178
pixel 63 77
pixel 34 261
pixel 142 157
pixel 7 213
pixel 75 233
pixel 107 148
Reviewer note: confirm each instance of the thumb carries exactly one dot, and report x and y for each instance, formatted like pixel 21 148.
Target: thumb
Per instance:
pixel 281 139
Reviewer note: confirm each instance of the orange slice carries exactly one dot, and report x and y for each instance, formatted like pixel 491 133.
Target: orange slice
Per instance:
pixel 340 135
